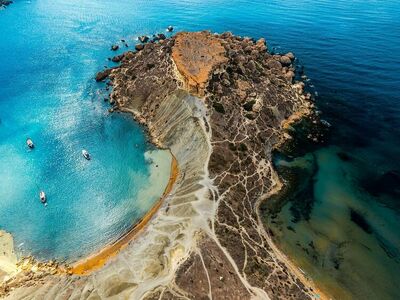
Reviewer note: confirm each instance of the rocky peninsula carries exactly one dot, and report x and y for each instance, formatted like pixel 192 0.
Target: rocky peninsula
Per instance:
pixel 221 104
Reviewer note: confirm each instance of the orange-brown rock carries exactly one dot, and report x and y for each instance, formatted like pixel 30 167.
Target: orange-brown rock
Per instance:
pixel 196 54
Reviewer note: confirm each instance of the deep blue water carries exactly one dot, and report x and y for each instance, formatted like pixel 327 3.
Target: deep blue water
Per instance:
pixel 49 51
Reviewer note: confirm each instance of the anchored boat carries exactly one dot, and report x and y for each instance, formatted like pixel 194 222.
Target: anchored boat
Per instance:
pixel 86 154
pixel 30 144
pixel 42 197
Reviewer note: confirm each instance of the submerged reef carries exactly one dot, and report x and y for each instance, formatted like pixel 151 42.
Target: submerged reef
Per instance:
pixel 5 3
pixel 221 104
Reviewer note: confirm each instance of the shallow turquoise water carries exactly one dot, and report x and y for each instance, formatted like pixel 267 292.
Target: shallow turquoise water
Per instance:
pixel 49 54
pixel 50 50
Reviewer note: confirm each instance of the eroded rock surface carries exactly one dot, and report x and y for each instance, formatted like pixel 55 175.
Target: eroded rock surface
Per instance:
pixel 220 104
pixel 195 55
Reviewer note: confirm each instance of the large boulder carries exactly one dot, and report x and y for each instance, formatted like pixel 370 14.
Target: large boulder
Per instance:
pixel 159 36
pixel 261 45
pixel 274 64
pixel 290 55
pixel 285 60
pixel 117 58
pixel 100 76
pixel 289 75
pixel 139 47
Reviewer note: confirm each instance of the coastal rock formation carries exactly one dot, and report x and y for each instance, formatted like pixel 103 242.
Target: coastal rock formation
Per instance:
pixel 221 104
pixel 196 55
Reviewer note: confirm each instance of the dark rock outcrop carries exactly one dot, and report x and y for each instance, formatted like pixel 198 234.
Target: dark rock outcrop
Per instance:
pixel 100 76
pixel 117 58
pixel 139 47
pixel 158 37
pixel 143 38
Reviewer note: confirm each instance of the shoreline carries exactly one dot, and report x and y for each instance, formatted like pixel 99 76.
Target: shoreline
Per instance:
pixel 281 255
pixel 99 259
pixel 309 116
pixel 291 121
pixel 222 130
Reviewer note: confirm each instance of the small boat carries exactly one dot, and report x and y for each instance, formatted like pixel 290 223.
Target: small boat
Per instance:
pixel 42 197
pixel 30 143
pixel 86 154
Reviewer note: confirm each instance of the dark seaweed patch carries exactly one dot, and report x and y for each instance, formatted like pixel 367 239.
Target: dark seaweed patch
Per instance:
pixel 308 135
pixel 298 191
pixel 344 156
pixel 360 221
pixel 302 204
pixel 388 183
pixel 290 228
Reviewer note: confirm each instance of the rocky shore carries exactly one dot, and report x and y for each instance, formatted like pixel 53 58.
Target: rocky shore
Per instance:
pixel 221 104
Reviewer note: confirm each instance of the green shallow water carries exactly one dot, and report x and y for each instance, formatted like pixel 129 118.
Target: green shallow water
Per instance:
pixel 335 231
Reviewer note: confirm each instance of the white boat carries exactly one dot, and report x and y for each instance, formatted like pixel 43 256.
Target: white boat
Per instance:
pixel 30 143
pixel 42 197
pixel 86 154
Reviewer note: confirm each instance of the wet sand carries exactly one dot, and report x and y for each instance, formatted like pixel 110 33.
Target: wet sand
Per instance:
pixel 7 256
pixel 99 259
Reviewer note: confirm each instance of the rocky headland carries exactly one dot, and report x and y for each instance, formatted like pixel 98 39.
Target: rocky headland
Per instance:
pixel 221 104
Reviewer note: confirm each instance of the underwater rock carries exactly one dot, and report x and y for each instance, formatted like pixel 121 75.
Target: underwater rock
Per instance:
pixel 143 38
pixel 344 156
pixel 114 47
pixel 358 219
pixel 388 183
pixel 4 3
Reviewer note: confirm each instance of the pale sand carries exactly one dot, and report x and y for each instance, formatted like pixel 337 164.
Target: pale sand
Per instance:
pixel 8 259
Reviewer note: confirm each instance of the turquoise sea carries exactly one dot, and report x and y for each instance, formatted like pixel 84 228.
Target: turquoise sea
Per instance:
pixel 344 209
